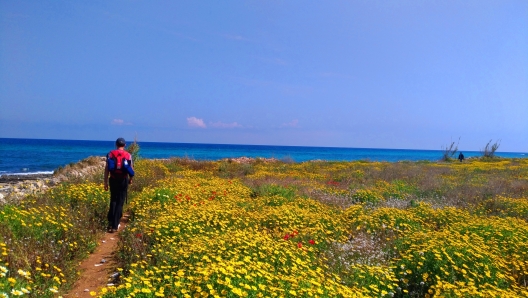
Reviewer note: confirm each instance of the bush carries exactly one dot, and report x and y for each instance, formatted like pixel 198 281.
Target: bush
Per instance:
pixel 148 172
pixel 133 149
pixel 449 151
pixel 273 190
pixel 489 151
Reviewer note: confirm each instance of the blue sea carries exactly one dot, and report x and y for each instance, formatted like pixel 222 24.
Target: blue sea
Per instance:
pixel 32 156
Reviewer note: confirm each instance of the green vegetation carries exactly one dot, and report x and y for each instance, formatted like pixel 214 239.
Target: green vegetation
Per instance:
pixel 133 149
pixel 265 229
pixel 43 238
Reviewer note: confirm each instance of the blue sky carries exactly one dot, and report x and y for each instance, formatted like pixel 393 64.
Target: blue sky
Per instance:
pixel 369 74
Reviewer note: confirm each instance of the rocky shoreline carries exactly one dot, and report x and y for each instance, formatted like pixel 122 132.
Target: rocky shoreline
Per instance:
pixel 13 187
pixel 16 187
pixel 13 179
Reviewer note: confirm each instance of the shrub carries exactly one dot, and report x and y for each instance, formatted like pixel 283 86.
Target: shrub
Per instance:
pixel 449 151
pixel 230 169
pixel 133 149
pixel 489 151
pixel 273 190
pixel 148 172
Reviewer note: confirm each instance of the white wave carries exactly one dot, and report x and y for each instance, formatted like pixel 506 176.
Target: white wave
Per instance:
pixel 29 173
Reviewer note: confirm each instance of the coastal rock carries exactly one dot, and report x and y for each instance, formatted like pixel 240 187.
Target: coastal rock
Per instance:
pixel 244 159
pixel 16 187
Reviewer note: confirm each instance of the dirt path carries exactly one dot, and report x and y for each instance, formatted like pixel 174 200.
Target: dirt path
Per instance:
pixel 96 271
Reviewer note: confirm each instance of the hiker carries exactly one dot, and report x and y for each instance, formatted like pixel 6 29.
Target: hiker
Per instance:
pixel 118 174
pixel 461 157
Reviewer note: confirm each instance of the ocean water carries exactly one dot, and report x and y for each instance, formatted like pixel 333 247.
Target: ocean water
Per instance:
pixel 29 156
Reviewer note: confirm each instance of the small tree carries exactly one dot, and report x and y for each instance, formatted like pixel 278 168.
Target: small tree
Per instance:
pixel 133 149
pixel 449 151
pixel 489 151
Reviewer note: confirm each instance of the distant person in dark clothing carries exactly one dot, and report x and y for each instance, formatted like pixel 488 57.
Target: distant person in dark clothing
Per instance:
pixel 118 174
pixel 461 157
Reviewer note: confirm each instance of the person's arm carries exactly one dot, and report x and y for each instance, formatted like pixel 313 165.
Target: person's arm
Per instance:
pixel 132 166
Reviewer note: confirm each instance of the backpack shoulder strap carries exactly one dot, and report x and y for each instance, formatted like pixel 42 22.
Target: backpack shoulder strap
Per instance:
pixel 116 153
pixel 127 155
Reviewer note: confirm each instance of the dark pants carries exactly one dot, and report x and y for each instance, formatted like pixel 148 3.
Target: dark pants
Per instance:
pixel 118 195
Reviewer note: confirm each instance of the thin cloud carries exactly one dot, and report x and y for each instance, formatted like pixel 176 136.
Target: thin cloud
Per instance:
pixel 195 122
pixel 120 122
pixel 293 123
pixel 225 125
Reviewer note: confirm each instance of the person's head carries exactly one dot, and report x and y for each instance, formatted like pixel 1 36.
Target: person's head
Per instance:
pixel 120 142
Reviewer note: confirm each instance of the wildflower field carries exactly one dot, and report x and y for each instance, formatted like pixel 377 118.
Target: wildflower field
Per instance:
pixel 278 229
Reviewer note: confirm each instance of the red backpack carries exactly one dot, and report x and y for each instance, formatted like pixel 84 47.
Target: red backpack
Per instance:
pixel 119 163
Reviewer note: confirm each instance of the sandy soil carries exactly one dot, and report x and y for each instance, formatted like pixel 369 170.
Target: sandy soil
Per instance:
pixel 98 268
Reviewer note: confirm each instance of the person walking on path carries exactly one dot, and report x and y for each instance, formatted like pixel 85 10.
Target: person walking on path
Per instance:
pixel 461 157
pixel 118 175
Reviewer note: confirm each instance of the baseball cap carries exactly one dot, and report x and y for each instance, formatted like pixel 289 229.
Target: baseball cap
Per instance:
pixel 120 142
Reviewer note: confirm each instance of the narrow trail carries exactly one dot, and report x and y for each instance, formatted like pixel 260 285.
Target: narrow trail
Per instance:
pixel 97 269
